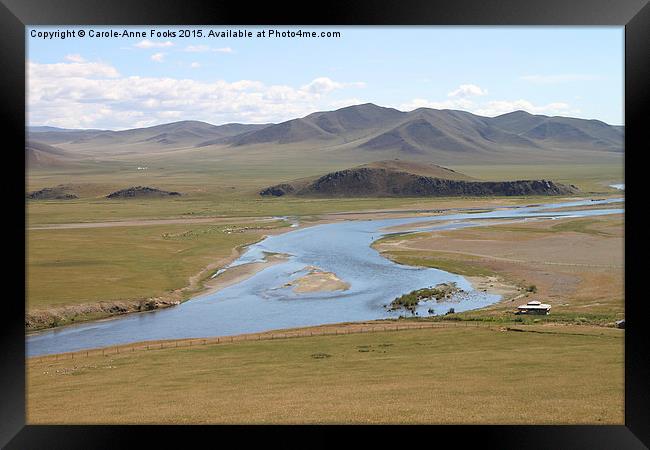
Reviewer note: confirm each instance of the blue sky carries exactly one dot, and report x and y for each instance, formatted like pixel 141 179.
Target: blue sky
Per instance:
pixel 118 83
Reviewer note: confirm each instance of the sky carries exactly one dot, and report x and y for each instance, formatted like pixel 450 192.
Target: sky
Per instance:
pixel 137 81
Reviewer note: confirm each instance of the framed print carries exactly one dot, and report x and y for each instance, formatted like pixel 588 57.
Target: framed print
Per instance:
pixel 384 214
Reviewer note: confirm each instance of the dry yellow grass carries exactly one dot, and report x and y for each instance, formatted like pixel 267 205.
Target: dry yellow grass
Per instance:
pixel 451 375
pixel 67 267
pixel 576 265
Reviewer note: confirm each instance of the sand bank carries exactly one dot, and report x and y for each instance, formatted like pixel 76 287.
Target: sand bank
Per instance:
pixel 318 281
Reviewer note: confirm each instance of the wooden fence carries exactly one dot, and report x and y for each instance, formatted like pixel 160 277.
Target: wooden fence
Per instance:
pixel 275 335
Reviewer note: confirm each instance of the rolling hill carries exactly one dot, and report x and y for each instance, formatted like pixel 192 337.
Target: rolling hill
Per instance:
pixel 364 133
pixel 173 135
pixel 410 179
pixel 428 131
pixel 39 155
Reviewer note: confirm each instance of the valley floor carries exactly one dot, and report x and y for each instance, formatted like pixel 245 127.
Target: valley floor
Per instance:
pixel 465 368
pixel 481 367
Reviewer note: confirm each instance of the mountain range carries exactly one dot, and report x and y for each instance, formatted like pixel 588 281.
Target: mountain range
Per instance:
pixel 365 131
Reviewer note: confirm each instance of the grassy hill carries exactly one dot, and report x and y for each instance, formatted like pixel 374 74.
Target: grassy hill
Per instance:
pixel 410 179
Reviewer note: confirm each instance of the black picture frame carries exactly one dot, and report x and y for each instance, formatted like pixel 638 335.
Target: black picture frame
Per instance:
pixel 16 14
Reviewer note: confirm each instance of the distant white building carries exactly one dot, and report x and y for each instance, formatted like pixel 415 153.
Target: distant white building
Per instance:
pixel 534 307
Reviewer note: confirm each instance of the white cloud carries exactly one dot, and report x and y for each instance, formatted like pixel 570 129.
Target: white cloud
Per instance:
pixel 207 48
pixel 72 70
pixel 490 108
pixel 324 85
pixel 195 65
pixel 153 44
pixel 467 90
pixel 498 107
pixel 336 104
pixel 559 78
pixel 94 95
pixel 158 57
pixel 197 48
pixel 416 103
pixel 75 58
pixel 321 85
pixel 460 99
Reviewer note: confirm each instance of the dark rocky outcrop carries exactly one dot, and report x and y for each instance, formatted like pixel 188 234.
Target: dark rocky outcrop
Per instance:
pixel 278 190
pixel 369 182
pixel 141 192
pixel 55 193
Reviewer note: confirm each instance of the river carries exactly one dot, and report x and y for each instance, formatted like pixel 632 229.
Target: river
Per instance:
pixel 261 303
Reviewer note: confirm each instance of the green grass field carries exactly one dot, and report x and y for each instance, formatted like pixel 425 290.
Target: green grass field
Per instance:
pixel 453 375
pixel 229 187
pixel 75 266
pixel 127 263
pixel 439 260
pixel 589 177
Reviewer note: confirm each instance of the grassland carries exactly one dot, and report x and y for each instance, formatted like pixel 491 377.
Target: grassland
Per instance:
pixel 589 177
pixel 452 375
pixel 455 375
pixel 108 264
pixel 85 274
pixel 77 266
pixel 576 265
pixel 227 184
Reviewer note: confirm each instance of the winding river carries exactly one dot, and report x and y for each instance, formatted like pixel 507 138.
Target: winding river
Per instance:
pixel 261 303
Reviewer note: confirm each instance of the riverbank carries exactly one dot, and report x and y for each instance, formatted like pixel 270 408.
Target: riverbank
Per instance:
pixel 200 283
pixel 203 282
pixel 59 316
pixel 244 309
pixel 574 264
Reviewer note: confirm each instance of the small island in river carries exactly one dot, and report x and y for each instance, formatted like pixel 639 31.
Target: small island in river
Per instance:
pixel 410 301
pixel 318 280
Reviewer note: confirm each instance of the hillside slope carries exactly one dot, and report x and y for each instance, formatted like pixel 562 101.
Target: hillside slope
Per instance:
pixel 363 133
pixel 40 155
pixel 384 180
